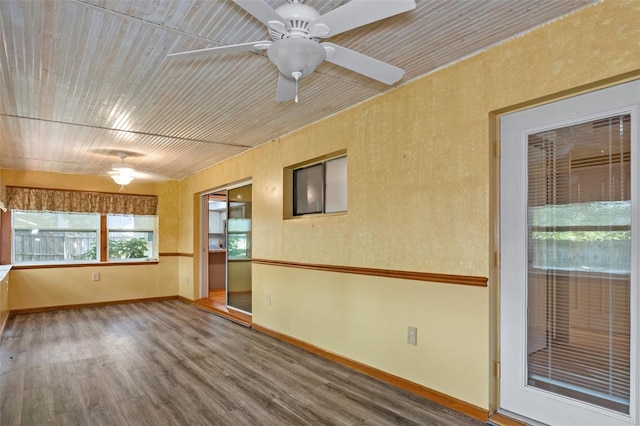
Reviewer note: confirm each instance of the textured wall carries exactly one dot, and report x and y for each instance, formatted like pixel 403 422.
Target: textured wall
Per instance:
pixel 33 288
pixel 420 189
pixel 421 181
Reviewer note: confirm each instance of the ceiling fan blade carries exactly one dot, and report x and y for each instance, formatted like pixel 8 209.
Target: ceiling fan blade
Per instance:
pixel 141 174
pixel 260 10
pixel 286 88
pixel 232 48
pixel 355 14
pixel 362 64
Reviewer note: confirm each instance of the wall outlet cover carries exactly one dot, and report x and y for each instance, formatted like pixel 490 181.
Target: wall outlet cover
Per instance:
pixel 412 335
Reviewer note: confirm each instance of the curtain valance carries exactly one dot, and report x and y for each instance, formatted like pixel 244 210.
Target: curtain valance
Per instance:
pixel 3 196
pixel 56 200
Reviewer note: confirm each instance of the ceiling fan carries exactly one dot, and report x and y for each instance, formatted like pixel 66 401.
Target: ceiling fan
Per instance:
pixel 123 174
pixel 296 28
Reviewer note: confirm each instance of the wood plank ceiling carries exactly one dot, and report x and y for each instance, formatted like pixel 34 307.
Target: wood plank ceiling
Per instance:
pixel 81 80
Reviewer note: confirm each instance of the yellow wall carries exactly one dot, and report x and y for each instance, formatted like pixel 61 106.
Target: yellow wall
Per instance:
pixel 33 288
pixel 4 298
pixel 36 288
pixel 421 192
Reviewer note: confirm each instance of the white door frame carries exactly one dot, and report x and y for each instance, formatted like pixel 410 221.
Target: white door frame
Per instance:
pixel 515 395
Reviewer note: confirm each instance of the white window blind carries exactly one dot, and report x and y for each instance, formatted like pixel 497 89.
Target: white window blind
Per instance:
pixel 579 257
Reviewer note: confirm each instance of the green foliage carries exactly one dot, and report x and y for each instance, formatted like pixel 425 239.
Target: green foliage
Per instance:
pixel 582 236
pixel 232 248
pixel 134 248
pixel 90 254
pixel 127 249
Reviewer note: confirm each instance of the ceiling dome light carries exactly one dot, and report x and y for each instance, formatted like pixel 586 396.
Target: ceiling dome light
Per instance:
pixel 296 55
pixel 122 173
pixel 122 178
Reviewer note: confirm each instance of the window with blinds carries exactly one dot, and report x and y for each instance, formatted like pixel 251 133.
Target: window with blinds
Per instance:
pixel 579 261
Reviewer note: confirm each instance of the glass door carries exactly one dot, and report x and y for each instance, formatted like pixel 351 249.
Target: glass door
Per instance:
pixel 568 283
pixel 238 232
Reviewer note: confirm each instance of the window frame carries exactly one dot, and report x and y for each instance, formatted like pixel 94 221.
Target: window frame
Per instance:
pixel 101 246
pixel 321 166
pixel 290 198
pixel 154 249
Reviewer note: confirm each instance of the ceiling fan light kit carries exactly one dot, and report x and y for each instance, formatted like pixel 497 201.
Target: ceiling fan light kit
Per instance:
pixel 122 179
pixel 295 29
pixel 122 173
pixel 296 55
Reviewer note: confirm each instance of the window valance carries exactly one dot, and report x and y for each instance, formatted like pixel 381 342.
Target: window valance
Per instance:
pixel 56 200
pixel 3 196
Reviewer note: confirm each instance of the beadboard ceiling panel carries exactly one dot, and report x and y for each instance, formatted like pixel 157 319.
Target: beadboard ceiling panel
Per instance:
pixel 81 80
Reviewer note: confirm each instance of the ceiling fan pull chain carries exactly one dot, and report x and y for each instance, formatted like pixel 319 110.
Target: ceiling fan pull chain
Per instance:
pixel 296 75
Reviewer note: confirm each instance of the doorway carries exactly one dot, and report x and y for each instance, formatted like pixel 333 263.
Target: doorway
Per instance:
pixel 568 297
pixel 226 286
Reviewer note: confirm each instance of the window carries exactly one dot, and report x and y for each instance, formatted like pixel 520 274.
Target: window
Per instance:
pixel 321 187
pixel 131 237
pixel 579 255
pixel 57 237
pixel 54 237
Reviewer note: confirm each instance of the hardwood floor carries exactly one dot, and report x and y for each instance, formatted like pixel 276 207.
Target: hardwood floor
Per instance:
pixel 216 303
pixel 171 363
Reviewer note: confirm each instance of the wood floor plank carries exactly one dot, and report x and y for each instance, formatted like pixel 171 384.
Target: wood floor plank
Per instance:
pixel 160 388
pixel 37 358
pixel 120 383
pixel 11 396
pixel 96 393
pixel 111 416
pixel 140 411
pixel 37 377
pixel 38 406
pixel 14 361
pixel 80 351
pixel 73 418
pixel 63 370
pixel 67 395
pixel 170 363
pixel 89 367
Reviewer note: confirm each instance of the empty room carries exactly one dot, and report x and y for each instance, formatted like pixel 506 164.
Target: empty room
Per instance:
pixel 363 212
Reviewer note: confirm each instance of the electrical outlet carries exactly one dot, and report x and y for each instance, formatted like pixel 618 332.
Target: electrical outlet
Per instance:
pixel 96 276
pixel 268 300
pixel 412 336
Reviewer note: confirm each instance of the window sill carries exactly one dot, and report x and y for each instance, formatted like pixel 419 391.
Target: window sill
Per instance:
pixel 315 215
pixel 82 265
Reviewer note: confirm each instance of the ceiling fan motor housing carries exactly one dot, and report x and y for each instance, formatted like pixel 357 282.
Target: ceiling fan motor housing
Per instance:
pixel 299 16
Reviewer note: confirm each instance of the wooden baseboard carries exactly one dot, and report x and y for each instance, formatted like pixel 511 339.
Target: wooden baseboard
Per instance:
pixel 502 420
pixel 415 388
pixel 4 323
pixel 89 305
pixel 185 300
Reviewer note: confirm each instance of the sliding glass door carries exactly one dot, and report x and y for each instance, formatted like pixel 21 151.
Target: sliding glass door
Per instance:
pixel 239 248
